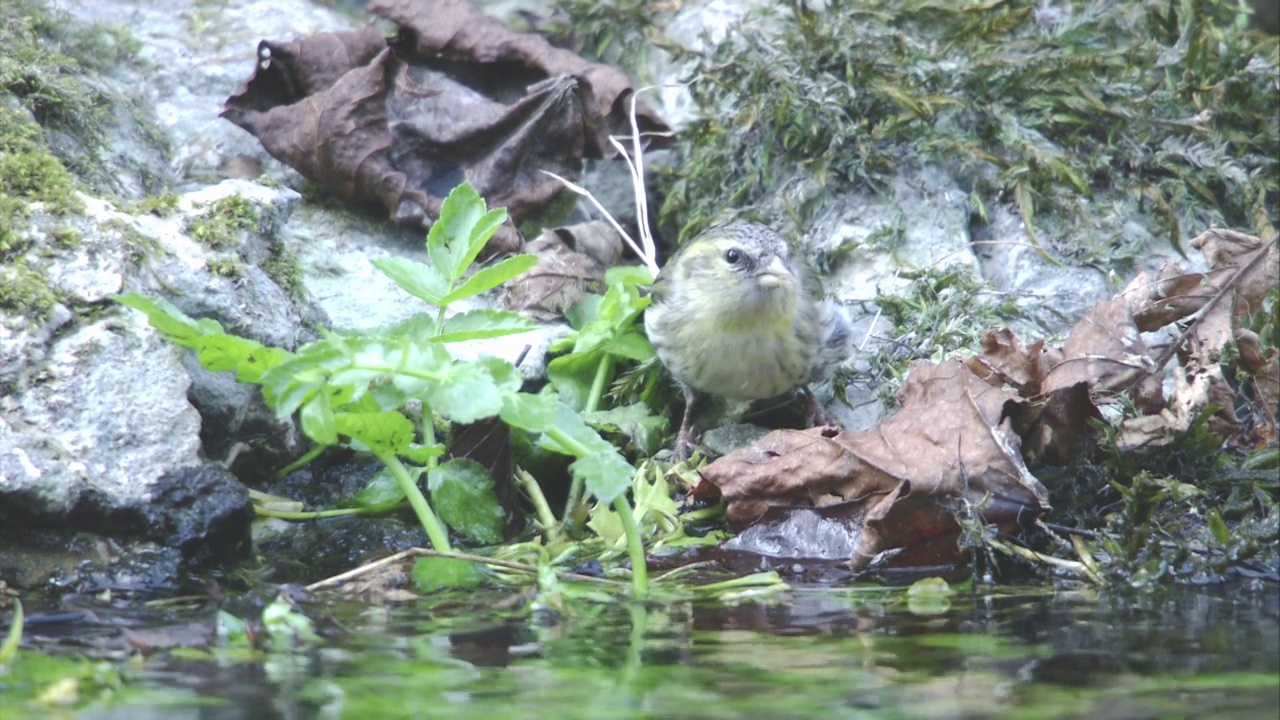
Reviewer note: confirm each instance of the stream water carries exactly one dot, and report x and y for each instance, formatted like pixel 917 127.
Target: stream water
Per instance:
pixel 811 652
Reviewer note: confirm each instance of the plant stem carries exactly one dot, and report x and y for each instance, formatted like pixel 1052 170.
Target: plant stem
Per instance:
pixel 603 371
pixel 635 547
pixel 541 509
pixel 576 449
pixel 315 514
pixel 440 319
pixel 574 499
pixel 429 432
pixel 435 531
pixel 307 457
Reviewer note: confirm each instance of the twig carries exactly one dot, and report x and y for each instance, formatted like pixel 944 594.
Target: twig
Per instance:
pixel 1028 554
pixel 683 568
pixel 1223 291
pixel 468 557
pixel 365 569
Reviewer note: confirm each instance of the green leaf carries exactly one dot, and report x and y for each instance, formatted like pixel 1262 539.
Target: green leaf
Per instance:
pixel 606 475
pixel 636 421
pixel 438 573
pixel 166 318
pixel 631 344
pixel 506 376
pixel 467 392
pixel 607 525
pixel 477 324
pixel 628 275
pixel 534 413
pixel 420 366
pixel 380 432
pixel 259 362
pixel 462 495
pixel 249 359
pixel 1219 528
pixel 491 277
pixel 382 491
pixel 421 454
pixel 462 231
pixel 615 316
pixel 288 385
pixel 232 630
pixel 285 624
pixel 417 279
pixel 317 419
pixel 572 376
pixel 13 637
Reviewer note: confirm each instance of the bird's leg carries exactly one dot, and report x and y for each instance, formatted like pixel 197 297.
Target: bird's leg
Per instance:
pixel 684 438
pixel 815 414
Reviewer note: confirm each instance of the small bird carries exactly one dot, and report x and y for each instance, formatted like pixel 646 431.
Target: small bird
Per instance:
pixel 735 315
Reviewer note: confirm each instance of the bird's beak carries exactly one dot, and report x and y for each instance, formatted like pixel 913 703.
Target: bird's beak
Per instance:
pixel 772 272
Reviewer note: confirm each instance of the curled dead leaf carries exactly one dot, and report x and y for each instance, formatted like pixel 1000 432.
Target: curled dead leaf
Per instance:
pixel 454 96
pixel 950 449
pixel 571 262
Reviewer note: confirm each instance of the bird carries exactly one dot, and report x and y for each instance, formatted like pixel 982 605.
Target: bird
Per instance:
pixel 735 314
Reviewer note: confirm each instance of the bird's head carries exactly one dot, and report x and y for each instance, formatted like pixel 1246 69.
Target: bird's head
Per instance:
pixel 737 269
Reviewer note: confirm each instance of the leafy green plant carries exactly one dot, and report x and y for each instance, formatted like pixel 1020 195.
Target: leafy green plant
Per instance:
pixel 353 388
pixel 605 332
pixel 12 638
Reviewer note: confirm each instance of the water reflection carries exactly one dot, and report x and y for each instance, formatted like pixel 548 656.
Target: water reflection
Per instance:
pixel 821 652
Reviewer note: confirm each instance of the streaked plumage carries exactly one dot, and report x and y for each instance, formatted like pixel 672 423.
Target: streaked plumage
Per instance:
pixel 735 315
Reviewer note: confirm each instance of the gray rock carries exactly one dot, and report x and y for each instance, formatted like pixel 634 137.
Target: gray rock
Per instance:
pixel 102 438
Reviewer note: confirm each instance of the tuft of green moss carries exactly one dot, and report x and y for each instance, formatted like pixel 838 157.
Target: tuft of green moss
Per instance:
pixel 65 237
pixel 220 227
pixel 161 205
pixel 29 173
pixel 281 265
pixel 25 293
pixel 1170 104
pixel 230 267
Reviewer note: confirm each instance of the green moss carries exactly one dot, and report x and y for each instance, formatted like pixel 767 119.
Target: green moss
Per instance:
pixel 161 205
pixel 282 267
pixel 25 293
pixel 615 32
pixel 137 246
pixel 940 312
pixel 1170 104
pixel 65 237
pixel 230 267
pixel 220 227
pixel 28 174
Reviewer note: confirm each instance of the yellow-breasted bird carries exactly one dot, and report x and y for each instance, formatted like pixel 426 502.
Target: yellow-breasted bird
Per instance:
pixel 735 315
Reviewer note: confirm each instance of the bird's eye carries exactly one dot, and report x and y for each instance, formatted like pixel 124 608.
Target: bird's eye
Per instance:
pixel 732 256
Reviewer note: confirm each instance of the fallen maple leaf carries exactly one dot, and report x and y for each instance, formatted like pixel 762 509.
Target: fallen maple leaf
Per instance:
pixel 949 450
pixel 454 96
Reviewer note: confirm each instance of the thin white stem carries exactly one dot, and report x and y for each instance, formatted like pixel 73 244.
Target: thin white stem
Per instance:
pixel 649 261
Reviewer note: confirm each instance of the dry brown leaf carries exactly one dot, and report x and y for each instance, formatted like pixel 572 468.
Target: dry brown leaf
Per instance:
pixel 456 96
pixel 1236 250
pixel 1172 296
pixel 948 449
pixel 1104 350
pixel 1264 366
pixel 1005 362
pixel 1243 271
pixel 571 262
pixel 1057 428
pixel 1193 391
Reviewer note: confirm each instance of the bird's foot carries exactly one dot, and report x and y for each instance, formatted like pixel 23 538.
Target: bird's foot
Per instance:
pixel 815 414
